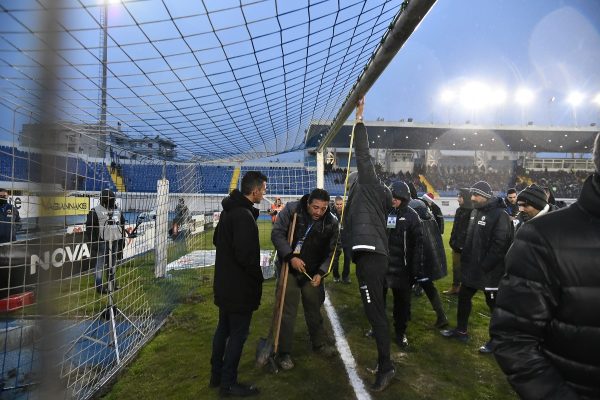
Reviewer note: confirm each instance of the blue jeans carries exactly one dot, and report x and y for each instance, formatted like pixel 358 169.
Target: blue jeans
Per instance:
pixel 101 259
pixel 228 342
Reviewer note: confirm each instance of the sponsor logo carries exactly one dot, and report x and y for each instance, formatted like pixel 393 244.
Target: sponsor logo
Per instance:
pixel 59 256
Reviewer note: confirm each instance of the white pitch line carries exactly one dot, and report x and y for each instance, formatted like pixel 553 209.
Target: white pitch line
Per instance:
pixel 344 349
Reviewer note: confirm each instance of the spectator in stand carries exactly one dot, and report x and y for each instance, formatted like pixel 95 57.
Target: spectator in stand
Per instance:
pixel 276 208
pixel 428 199
pixel 532 203
pixel 458 236
pixel 489 236
pixel 511 203
pixel 546 326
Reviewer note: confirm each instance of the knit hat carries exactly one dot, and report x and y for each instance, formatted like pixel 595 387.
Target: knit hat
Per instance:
pixel 483 189
pixel 400 190
pixel 428 197
pixel 534 196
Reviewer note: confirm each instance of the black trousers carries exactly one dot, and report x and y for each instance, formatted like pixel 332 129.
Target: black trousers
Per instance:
pixel 465 304
pixel 402 296
pixel 228 342
pixel 346 267
pixel 370 272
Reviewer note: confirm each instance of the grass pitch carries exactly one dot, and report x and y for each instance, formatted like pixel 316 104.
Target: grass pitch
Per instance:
pixel 176 363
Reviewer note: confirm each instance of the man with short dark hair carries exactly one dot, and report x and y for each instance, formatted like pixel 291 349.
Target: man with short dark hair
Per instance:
pixel 546 326
pixel 532 203
pixel 511 203
pixel 345 278
pixel 237 282
pixel 459 235
pixel 489 235
pixel 9 219
pixel 314 245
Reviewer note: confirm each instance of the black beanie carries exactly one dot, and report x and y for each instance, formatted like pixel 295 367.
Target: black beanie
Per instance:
pixel 534 196
pixel 482 188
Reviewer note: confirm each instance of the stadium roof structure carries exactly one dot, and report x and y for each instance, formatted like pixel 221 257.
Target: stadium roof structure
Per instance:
pixel 220 79
pixel 417 136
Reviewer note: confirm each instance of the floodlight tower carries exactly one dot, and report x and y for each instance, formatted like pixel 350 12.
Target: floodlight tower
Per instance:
pixel 524 97
pixel 575 99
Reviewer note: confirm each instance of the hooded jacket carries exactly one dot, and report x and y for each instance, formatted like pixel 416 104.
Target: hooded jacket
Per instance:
pixel 489 236
pixel 405 245
pixel 238 277
pixel 461 223
pixel 320 243
pixel 368 202
pixel 434 255
pixel 546 325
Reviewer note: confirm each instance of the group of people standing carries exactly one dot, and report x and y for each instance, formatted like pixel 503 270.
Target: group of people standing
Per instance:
pixel 545 329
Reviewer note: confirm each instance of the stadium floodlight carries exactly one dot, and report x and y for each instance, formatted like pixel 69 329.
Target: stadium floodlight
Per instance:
pixel 524 96
pixel 474 95
pixel 497 96
pixel 575 98
pixel 597 99
pixel 447 96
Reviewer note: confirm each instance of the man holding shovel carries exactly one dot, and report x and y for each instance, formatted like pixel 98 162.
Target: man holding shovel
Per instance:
pixel 314 244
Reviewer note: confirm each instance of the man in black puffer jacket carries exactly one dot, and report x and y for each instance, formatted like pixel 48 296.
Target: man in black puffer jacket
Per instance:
pixel 368 203
pixel 237 283
pixel 406 249
pixel 315 243
pixel 459 235
pixel 489 236
pixel 546 326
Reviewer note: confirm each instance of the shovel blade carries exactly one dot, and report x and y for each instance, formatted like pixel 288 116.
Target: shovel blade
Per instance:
pixel 264 350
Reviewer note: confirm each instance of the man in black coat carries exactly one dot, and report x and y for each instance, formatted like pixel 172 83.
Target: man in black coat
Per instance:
pixel 512 209
pixel 345 278
pixel 489 236
pixel 237 282
pixel 314 245
pixel 406 248
pixel 532 203
pixel 368 203
pixel 458 236
pixel 429 201
pixel 546 325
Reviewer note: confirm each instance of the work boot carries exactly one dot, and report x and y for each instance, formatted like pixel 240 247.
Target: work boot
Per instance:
pixel 455 334
pixel 383 380
pixel 285 362
pixel 239 390
pixel 452 291
pixel 486 348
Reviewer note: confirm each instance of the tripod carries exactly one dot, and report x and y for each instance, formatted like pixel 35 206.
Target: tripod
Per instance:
pixel 109 313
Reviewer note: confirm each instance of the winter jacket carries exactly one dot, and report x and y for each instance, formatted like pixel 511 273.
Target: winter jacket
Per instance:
pixel 459 229
pixel 438 215
pixel 368 202
pixel 343 239
pixel 434 255
pixel 319 245
pixel 489 236
pixel 238 276
pixel 93 225
pixel 405 245
pixel 9 223
pixel 546 325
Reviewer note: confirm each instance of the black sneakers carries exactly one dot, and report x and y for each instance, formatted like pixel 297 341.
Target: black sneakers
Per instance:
pixel 383 380
pixel 455 334
pixel 402 341
pixel 239 390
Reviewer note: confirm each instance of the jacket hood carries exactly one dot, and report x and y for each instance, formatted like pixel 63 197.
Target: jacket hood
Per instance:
pixel 495 202
pixel 589 199
pixel 237 199
pixel 420 208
